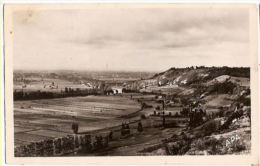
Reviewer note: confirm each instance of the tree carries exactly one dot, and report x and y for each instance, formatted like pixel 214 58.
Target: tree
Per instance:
pixel 75 127
pixel 140 126
pixel 66 90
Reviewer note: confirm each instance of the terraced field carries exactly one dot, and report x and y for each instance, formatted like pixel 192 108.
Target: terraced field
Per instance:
pixel 40 119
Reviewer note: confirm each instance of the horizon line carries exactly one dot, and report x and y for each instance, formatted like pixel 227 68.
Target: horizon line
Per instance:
pixel 110 70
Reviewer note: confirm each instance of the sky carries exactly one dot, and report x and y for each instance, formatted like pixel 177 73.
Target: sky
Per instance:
pixel 130 39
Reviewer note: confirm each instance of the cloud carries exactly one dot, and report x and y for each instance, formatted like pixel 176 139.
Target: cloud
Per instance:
pixel 188 29
pixel 80 38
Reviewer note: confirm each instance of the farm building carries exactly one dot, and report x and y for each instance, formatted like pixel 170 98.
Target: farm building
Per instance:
pixel 117 90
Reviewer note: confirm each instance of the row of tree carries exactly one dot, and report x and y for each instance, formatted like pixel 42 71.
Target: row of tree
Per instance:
pixel 68 92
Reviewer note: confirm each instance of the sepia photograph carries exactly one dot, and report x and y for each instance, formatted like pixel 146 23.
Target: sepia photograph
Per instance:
pixel 131 80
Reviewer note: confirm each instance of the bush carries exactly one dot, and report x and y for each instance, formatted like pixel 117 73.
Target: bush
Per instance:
pixel 144 105
pixel 244 100
pixel 222 88
pixel 220 113
pixel 210 127
pixel 185 111
pixel 185 101
pixel 176 114
pixel 143 116
pixel 238 147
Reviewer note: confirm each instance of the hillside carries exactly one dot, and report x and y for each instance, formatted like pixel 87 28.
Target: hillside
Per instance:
pixel 189 80
pixel 203 72
pixel 223 94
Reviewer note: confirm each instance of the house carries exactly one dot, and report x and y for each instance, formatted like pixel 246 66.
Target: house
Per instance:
pixel 117 90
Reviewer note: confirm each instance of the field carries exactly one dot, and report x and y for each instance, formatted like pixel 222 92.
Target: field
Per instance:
pixel 41 119
pixel 51 85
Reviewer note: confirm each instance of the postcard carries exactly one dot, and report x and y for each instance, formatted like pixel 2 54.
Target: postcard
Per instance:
pixel 131 83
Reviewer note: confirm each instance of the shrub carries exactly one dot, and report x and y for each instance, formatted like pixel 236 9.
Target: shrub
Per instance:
pixel 176 114
pixel 144 105
pixel 210 127
pixel 225 87
pixel 238 146
pixel 244 100
pixel 143 116
pixel 220 113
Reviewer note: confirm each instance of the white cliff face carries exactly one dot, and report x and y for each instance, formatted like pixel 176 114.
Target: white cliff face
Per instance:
pixel 177 80
pixel 184 81
pixel 222 78
pixel 204 75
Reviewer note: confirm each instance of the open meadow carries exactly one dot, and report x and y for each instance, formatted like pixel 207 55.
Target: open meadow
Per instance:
pixel 39 119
